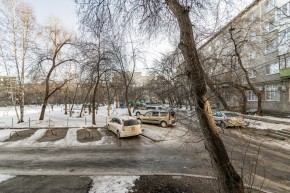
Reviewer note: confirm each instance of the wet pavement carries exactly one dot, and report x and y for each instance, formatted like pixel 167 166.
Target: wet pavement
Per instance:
pixel 139 155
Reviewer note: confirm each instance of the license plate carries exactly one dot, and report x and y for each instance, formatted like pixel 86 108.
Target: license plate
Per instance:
pixel 132 128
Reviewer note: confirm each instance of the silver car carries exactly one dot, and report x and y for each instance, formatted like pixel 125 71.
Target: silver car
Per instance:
pixel 163 118
pixel 228 119
pixel 142 111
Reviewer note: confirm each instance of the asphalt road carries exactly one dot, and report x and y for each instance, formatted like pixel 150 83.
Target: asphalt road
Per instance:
pixel 140 156
pixel 134 155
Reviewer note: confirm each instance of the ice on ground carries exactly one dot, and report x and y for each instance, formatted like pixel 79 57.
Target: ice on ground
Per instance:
pixel 4 177
pixel 117 184
pixel 263 125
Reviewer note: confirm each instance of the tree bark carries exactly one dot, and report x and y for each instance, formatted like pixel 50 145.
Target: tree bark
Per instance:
pixel 94 102
pixel 228 179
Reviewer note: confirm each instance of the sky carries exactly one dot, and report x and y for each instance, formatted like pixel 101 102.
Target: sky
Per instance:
pixel 63 9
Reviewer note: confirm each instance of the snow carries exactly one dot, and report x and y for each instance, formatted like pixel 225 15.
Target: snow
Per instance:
pixel 263 125
pixel 116 184
pixel 103 184
pixel 55 118
pixel 4 177
pixel 277 118
pixel 8 118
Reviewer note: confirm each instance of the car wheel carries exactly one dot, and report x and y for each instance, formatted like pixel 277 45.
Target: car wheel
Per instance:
pixel 118 135
pixel 140 121
pixel 223 125
pixel 163 124
pixel 138 113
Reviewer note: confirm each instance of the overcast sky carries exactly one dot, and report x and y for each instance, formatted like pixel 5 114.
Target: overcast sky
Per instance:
pixel 64 9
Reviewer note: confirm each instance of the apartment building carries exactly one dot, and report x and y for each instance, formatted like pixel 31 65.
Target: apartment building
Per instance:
pixel 260 37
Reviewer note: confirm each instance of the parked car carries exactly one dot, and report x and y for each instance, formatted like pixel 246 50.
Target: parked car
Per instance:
pixel 159 117
pixel 142 111
pixel 228 119
pixel 124 126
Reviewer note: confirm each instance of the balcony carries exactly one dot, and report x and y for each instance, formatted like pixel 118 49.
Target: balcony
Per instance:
pixel 285 73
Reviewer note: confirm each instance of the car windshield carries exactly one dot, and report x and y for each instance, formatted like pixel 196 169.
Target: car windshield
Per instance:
pixel 163 114
pixel 231 114
pixel 131 122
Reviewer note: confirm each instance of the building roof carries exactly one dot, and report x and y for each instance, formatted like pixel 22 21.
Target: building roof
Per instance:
pixel 248 8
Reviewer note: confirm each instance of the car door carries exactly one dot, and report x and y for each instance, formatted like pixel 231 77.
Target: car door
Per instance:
pixel 155 117
pixel 113 125
pixel 118 125
pixel 147 117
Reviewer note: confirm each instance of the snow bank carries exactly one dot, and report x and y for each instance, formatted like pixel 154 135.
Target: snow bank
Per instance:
pixel 263 125
pixel 117 184
pixel 4 177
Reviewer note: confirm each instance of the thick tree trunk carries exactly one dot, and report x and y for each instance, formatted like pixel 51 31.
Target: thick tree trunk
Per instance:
pixel 46 97
pixel 45 101
pixel 243 104
pixel 259 108
pixel 85 100
pixel 21 103
pixel 93 103
pixel 228 179
pixel 127 102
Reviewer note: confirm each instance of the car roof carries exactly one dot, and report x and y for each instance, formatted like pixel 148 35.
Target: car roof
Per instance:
pixel 159 111
pixel 122 117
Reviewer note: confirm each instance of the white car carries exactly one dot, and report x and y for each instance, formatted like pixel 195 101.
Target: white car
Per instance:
pixel 124 126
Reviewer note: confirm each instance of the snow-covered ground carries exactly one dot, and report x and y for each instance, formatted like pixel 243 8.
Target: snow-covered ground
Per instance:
pixel 56 118
pixel 263 125
pixel 117 184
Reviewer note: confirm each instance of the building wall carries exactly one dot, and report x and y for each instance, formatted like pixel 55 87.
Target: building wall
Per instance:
pixel 260 26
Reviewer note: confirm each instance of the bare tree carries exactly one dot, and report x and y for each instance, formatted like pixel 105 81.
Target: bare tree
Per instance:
pixel 19 24
pixel 151 13
pixel 123 64
pixel 56 54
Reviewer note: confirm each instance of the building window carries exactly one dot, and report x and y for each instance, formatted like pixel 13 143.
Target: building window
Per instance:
pixel 272 93
pixel 209 48
pixel 251 96
pixel 252 55
pixel 271 46
pixel 282 12
pixel 253 36
pixel 284 62
pixel 252 73
pixel 227 96
pixel 272 69
pixel 284 36
pixel 252 17
pixel 269 5
pixel 270 25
